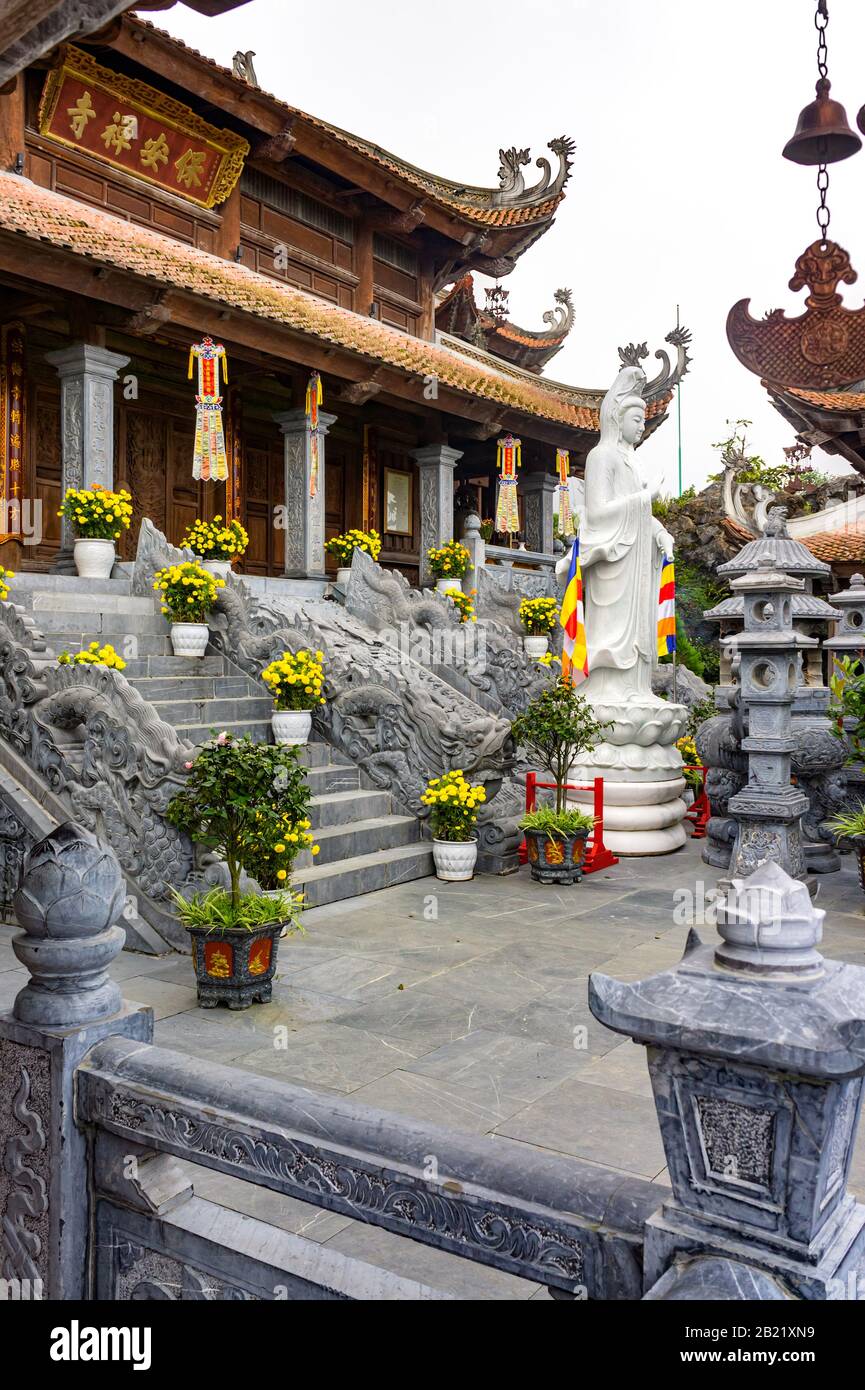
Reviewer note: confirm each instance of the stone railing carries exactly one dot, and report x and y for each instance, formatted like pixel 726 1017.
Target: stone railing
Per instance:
pixel 757 1121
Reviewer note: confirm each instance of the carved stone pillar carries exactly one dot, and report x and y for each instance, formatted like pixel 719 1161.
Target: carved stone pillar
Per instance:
pixel 304 515
pixel 477 548
pixel 68 902
pixel 436 464
pixel 538 491
pixel 87 376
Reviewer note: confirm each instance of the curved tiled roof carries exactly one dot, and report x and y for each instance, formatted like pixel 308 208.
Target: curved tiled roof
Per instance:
pixel 846 402
pixel 42 215
pixel 823 545
pixel 474 203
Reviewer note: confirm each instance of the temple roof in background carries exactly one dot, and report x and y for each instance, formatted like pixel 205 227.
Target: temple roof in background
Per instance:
pixel 459 314
pixel 828 546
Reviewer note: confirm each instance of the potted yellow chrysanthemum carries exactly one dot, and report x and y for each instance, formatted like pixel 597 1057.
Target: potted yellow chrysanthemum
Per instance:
pixel 188 593
pixel 296 682
pixel 98 516
pixel 342 548
pixel 538 617
pixel 216 544
pixel 453 804
pixel 449 562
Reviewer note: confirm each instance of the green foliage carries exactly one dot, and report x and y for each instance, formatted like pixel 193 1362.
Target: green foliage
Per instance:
pixel 848 825
pixel 556 726
pixel 240 800
pixel 847 684
pixel 216 911
pixel 698 713
pixel 556 824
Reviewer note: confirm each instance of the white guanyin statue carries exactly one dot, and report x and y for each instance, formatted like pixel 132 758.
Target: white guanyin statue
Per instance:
pixel 622 547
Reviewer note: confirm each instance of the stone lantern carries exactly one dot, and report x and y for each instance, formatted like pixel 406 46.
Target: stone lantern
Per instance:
pixel 768 808
pixel 756 1053
pixel 818 755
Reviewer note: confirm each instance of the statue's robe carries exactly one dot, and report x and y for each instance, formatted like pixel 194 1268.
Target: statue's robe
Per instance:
pixel 621 575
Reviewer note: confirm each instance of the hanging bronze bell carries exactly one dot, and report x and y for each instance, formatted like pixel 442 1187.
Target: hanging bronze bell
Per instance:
pixel 822 134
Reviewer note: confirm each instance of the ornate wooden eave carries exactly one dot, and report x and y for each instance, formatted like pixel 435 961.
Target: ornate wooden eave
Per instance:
pixel 489 227
pixel 822 349
pixel 460 315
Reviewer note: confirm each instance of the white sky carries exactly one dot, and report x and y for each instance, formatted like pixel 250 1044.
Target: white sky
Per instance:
pixel 679 193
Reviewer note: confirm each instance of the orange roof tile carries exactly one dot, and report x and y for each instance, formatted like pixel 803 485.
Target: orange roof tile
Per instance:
pixel 823 545
pixel 42 215
pixel 846 402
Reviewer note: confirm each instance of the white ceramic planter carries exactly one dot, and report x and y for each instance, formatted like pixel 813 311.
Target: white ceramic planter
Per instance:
pixel 442 585
pixel 536 646
pixel 455 859
pixel 189 639
pixel 94 559
pixel 291 725
pixel 220 568
pixel 343 575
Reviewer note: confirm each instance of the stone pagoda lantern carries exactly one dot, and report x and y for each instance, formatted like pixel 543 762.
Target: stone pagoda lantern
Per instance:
pixel 756 1054
pixel 818 755
pixel 849 640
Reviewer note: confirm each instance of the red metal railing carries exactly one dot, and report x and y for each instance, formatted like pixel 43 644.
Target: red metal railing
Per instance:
pixel 699 811
pixel 597 854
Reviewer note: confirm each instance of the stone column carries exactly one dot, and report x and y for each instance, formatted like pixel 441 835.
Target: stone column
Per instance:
pixel 87 376
pixel 538 491
pixel 756 1064
pixel 304 515
pixel 70 897
pixel 477 548
pixel 436 464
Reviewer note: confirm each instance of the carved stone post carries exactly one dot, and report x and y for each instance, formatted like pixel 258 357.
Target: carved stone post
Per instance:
pixel 477 548
pixel 304 515
pixel 87 376
pixel 436 464
pixel 768 809
pixel 848 640
pixel 756 1054
pixel 538 490
pixel 70 896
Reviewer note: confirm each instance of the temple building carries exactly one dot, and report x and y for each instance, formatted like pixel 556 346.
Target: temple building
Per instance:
pixel 151 199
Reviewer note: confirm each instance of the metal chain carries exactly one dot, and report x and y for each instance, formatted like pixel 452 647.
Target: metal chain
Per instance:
pixel 821 21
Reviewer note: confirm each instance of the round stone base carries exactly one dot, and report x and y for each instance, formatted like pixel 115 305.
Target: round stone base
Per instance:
pixel 641 818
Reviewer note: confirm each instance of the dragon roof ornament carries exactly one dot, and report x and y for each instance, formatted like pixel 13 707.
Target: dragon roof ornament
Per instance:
pixel 512 190
pixel 669 375
pixel 824 348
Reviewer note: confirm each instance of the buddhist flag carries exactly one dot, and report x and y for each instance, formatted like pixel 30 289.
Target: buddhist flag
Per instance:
pixel 667 609
pixel 575 655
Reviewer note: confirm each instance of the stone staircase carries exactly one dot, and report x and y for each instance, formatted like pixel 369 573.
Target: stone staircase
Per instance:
pixel 365 844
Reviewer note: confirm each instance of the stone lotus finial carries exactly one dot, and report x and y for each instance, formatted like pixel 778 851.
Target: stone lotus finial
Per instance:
pixel 770 926
pixel 70 896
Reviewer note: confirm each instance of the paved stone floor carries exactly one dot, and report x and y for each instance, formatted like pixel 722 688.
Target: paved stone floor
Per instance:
pixel 464 1005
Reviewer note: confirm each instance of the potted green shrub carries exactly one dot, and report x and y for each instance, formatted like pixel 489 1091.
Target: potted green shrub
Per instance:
pixel 249 802
pixel 188 592
pixel 453 803
pixel 556 726
pixel 538 617
pixel 850 825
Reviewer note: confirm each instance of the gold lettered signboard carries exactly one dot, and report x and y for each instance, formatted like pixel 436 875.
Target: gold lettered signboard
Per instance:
pixel 126 123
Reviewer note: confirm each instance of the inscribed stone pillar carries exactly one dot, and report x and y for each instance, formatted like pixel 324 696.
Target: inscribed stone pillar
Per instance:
pixel 304 515
pixel 538 491
pixel 87 376
pixel 436 464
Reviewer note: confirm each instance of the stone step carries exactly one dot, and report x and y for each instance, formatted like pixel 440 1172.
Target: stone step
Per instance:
pixel 100 624
pixel 238 709
pixel 143 645
pixel 50 601
pixel 333 777
pixel 183 687
pixel 365 873
pixel 259 731
pixel 363 837
pixel 37 582
pixel 341 808
pixel 176 666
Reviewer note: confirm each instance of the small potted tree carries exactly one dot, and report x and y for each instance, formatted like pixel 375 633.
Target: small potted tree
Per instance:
pixel 342 548
pixel 538 617
pixel 97 516
pixel 850 826
pixel 249 802
pixel 188 593
pixel 217 544
pixel 449 562
pixel 556 726
pixel 453 804
pixel 296 682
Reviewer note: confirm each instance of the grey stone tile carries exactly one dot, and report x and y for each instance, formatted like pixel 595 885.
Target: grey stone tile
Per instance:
pixel 434 1102
pixel 8 959
pixel 11 981
pixel 563 1019
pixel 501 1070
pixel 463 1279
pixel 163 997
pixel 429 1021
pixel 332 1056
pixel 497 986
pixel 355 976
pixel 623 1068
pixel 548 964
pixel 611 1127
pixel 302 1218
pixel 218 1034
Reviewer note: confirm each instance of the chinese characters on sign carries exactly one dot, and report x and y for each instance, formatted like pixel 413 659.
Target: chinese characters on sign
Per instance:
pixel 139 129
pixel 11 428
